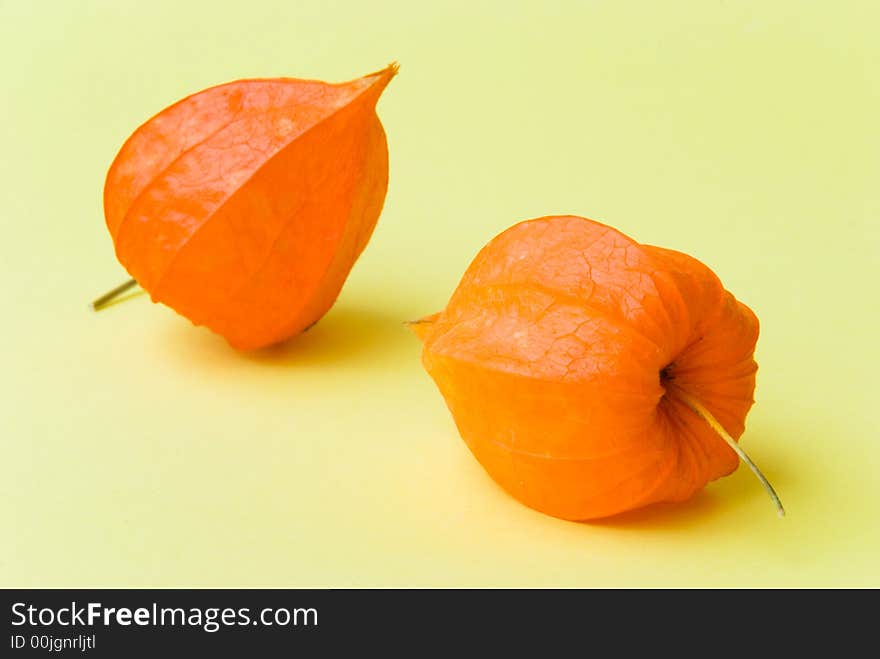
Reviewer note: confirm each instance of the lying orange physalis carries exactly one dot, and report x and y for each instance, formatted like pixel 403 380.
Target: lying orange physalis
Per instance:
pixel 243 207
pixel 590 374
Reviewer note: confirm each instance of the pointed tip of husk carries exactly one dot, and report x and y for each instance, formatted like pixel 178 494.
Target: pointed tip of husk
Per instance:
pixel 390 70
pixel 423 326
pixel 383 76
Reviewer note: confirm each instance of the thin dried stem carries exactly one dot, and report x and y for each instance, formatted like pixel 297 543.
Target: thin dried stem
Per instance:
pixel 702 412
pixel 108 297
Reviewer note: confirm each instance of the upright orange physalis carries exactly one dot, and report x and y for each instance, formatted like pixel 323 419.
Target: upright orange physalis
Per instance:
pixel 590 374
pixel 243 207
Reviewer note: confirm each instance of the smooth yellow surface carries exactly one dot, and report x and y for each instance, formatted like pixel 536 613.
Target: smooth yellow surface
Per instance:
pixel 138 450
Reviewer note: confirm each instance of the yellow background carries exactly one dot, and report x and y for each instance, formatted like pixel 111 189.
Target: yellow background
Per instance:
pixel 139 450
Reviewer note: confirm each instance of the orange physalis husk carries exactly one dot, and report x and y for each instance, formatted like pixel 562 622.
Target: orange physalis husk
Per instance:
pixel 581 368
pixel 243 207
